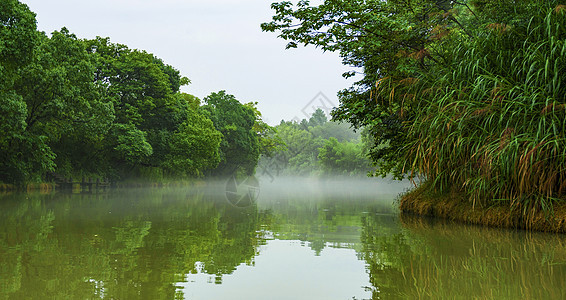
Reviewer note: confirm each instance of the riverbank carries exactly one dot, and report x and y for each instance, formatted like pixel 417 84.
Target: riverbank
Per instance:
pixel 48 187
pixel 453 206
pixel 32 187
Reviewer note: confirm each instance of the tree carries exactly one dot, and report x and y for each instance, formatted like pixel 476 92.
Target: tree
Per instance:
pixel 240 147
pixel 18 38
pixel 63 108
pixel 318 118
pixel 149 110
pixel 305 143
pixel 92 108
pixel 195 145
pixel 269 141
pixel 64 103
pixel 344 158
pixel 389 40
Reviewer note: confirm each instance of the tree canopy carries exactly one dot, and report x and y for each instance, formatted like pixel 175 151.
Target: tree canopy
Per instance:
pixel 240 148
pixel 92 108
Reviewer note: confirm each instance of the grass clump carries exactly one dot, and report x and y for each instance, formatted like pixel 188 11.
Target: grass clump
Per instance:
pixel 488 123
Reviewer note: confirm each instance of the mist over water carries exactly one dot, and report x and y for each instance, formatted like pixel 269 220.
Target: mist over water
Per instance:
pixel 266 190
pixel 346 188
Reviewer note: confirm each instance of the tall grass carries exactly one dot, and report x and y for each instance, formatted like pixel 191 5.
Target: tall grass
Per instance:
pixel 491 120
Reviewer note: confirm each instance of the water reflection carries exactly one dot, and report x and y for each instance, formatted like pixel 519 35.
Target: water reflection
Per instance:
pixel 118 245
pixel 334 240
pixel 437 259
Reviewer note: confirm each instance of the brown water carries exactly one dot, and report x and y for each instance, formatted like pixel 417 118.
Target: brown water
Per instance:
pixel 298 240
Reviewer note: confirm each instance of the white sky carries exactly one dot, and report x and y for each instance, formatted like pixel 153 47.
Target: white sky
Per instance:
pixel 217 44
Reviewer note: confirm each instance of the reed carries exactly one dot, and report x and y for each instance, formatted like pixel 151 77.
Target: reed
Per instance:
pixel 490 121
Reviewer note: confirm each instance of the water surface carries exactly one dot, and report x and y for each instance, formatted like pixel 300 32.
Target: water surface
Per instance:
pixel 301 239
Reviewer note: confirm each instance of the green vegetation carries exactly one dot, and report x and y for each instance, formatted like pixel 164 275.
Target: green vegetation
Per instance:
pixel 317 147
pixel 240 146
pixel 91 108
pixel 467 95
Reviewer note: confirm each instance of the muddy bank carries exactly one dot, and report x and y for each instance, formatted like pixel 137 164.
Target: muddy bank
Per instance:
pixel 454 206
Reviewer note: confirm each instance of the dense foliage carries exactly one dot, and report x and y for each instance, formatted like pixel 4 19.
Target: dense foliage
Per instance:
pixel 467 94
pixel 92 108
pixel 239 149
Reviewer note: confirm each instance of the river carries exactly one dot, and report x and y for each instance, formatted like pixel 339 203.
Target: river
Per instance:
pixel 278 239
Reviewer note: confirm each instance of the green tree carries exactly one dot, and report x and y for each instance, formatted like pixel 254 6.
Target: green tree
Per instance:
pixel 345 158
pixel 269 141
pixel 150 112
pixel 240 147
pixel 95 108
pixel 388 40
pixel 300 155
pixel 318 118
pixel 65 104
pixel 304 142
pixel 63 109
pixel 342 131
pixel 194 147
pixel 305 160
pixel 18 38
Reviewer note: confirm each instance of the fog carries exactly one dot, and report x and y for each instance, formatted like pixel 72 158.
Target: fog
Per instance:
pixel 382 189
pixel 270 193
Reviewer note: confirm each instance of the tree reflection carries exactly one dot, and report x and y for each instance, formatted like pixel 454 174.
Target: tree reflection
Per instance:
pixel 143 243
pixel 422 258
pixel 321 221
pixel 121 245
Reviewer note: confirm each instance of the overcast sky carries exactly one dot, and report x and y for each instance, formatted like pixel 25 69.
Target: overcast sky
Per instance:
pixel 217 44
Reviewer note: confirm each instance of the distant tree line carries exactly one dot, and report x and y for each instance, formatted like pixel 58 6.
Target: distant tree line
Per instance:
pixel 80 107
pixel 318 147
